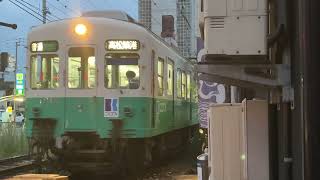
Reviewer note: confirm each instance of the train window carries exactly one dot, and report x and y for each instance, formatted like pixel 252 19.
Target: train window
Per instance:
pixel 122 71
pixel 183 84
pixel 179 83
pixel 188 86
pixel 82 70
pixel 160 76
pixel 170 78
pixel 44 71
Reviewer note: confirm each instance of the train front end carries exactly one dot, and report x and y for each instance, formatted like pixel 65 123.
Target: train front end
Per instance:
pixel 85 91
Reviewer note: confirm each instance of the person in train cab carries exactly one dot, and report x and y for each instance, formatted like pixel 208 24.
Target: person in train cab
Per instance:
pixel 133 82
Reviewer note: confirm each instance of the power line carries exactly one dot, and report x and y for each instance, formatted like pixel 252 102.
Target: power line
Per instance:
pixel 89 3
pixel 31 5
pixel 24 4
pixel 25 10
pixel 151 17
pixel 66 7
pixel 49 13
pixel 60 10
pixel 36 8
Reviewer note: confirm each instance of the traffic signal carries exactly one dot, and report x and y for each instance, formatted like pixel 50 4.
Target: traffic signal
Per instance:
pixel 4 60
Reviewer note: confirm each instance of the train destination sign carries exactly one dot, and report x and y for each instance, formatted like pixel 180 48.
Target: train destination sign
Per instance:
pixel 122 45
pixel 44 46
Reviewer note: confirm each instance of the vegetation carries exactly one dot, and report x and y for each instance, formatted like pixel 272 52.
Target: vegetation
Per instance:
pixel 13 141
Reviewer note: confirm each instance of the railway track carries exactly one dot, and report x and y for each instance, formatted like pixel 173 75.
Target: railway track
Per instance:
pixel 15 165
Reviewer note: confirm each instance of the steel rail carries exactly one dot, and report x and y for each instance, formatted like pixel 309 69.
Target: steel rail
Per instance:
pixel 14 165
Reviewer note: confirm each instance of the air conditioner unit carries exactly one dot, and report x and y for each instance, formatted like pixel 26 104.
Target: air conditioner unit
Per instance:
pixel 235 28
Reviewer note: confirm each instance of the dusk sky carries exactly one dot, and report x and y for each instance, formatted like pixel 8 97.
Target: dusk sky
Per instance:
pixel 10 13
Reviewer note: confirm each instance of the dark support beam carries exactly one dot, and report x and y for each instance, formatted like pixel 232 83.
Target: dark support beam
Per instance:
pixel 311 103
pixel 246 75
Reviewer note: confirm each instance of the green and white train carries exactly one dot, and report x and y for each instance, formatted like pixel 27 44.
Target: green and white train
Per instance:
pixel 104 90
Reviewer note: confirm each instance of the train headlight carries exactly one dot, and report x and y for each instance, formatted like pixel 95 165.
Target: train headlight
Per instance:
pixel 80 29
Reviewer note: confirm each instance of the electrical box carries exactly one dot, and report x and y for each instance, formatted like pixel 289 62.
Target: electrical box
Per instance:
pixel 238 141
pixel 235 27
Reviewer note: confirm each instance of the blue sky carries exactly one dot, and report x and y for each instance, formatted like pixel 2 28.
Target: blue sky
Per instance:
pixel 10 13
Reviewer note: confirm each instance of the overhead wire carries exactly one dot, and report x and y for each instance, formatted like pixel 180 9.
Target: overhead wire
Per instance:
pixel 66 7
pixel 50 17
pixel 26 4
pixel 31 5
pixel 152 17
pixel 25 10
pixel 58 9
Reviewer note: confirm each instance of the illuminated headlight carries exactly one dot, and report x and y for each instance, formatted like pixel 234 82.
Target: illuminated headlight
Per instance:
pixel 128 111
pixel 80 29
pixel 36 111
pixel 18 99
pixel 201 131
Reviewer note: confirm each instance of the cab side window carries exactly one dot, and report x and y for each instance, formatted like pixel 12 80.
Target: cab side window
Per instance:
pixel 179 95
pixel 160 76
pixel 170 76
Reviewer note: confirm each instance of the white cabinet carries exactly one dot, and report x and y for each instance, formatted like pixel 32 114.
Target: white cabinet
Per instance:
pixel 238 141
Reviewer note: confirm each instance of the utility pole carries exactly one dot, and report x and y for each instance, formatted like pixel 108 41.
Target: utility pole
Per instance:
pixel 44 11
pixel 15 77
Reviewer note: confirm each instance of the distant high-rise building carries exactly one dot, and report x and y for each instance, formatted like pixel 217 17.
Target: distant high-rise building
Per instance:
pixel 158 16
pixel 145 13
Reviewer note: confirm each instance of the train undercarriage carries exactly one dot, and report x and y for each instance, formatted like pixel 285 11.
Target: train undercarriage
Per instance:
pixel 78 152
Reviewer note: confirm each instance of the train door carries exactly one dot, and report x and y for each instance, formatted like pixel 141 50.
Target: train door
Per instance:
pixel 153 55
pixel 170 90
pixel 81 89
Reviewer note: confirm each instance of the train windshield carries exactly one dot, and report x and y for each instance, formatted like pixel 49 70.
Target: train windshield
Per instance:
pixel 81 68
pixel 122 71
pixel 44 71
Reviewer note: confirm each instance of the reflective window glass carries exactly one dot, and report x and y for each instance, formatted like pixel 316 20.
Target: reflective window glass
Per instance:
pixel 82 70
pixel 122 71
pixel 183 84
pixel 188 86
pixel 170 79
pixel 160 76
pixel 44 71
pixel 179 83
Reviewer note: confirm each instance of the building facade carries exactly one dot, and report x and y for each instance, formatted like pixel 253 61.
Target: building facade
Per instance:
pixel 152 13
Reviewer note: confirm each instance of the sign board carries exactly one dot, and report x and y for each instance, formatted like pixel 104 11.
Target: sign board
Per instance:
pixel 209 93
pixel 19 84
pixel 111 108
pixel 122 45
pixel 44 46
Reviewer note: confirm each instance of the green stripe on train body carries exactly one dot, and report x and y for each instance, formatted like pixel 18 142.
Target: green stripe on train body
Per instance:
pixel 141 116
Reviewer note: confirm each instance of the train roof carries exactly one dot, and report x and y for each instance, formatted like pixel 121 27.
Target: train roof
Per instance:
pixel 111 14
pixel 110 17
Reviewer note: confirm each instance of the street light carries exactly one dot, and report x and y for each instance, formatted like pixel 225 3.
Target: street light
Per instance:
pixel 13 26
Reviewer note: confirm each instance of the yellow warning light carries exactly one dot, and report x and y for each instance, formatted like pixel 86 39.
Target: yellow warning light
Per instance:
pixel 81 29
